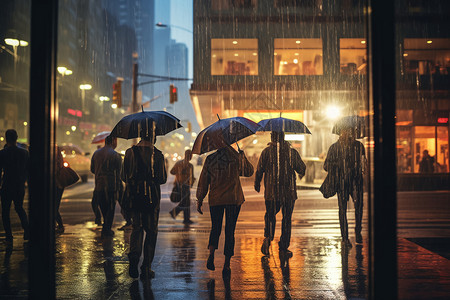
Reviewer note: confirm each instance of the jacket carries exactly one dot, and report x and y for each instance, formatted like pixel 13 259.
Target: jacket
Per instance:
pixel 143 191
pixel 106 164
pixel 14 164
pixel 220 174
pixel 184 173
pixel 278 165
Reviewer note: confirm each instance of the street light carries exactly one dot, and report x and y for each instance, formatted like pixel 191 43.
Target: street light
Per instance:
pixel 103 98
pixel 64 71
pixel 15 42
pixel 83 88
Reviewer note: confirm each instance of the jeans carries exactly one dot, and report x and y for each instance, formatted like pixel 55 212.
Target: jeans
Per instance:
pixel 356 191
pixel 107 203
pixel 272 208
pixel 231 216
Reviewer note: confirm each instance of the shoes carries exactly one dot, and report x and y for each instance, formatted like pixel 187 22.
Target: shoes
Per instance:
pixel 133 268
pixel 287 253
pixel 226 272
pixel 359 239
pixel 265 247
pixel 172 214
pixel 188 222
pixel 107 233
pixel 147 273
pixel 210 263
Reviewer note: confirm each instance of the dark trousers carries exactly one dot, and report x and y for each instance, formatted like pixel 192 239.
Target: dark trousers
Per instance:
pixel 270 221
pixel 107 203
pixel 146 220
pixel 231 216
pixel 59 193
pixel 356 191
pixel 185 203
pixel 96 209
pixel 7 197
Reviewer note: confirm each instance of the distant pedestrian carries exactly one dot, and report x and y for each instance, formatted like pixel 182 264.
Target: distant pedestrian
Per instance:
pixel 106 164
pixel 59 191
pixel 220 175
pixel 143 171
pixel 426 165
pixel 278 163
pixel 14 167
pixel 346 163
pixel 184 180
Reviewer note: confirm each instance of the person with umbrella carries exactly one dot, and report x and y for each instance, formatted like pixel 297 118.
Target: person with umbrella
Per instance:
pixel 278 163
pixel 220 175
pixel 345 163
pixel 106 164
pixel 143 171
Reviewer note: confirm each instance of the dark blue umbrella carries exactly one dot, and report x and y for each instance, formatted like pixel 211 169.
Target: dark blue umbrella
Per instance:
pixel 155 122
pixel 223 133
pixel 283 125
pixel 355 122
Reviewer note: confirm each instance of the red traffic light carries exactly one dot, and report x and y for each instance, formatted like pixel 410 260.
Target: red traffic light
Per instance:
pixel 173 94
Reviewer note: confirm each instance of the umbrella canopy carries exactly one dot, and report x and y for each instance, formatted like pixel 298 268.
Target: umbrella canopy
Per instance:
pixel 100 138
pixel 155 122
pixel 351 122
pixel 223 133
pixel 283 125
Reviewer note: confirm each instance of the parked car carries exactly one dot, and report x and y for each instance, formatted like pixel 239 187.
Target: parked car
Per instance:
pixel 77 159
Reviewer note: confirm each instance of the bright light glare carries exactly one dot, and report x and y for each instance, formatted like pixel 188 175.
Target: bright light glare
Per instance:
pixel 103 98
pixel 62 70
pixel 73 128
pixel 114 105
pixel 66 164
pixel 294 137
pixel 295 61
pixel 297 42
pixel 12 42
pixel 235 42
pixel 25 123
pixel 67 132
pixel 23 43
pixel 86 86
pixel 333 112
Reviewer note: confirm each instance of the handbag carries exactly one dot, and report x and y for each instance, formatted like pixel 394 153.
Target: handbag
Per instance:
pixel 328 187
pixel 175 196
pixel 66 176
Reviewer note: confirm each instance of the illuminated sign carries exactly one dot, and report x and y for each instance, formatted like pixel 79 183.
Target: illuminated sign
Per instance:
pixel 74 112
pixel 442 120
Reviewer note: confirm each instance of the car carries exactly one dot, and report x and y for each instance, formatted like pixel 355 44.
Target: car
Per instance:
pixel 75 158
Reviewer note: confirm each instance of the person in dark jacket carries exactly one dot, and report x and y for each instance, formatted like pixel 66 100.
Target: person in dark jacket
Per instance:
pixel 220 175
pixel 14 166
pixel 59 191
pixel 106 164
pixel 143 171
pixel 346 163
pixel 278 163
pixel 184 178
pixel 426 165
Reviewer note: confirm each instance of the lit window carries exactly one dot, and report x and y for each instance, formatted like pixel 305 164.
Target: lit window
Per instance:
pixel 427 56
pixel 298 57
pixel 234 57
pixel 353 56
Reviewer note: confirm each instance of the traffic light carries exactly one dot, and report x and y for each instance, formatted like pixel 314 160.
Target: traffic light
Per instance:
pixel 173 94
pixel 117 94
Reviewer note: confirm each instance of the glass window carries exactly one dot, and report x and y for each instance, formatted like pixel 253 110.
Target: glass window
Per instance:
pixel 234 56
pixel 230 4
pixel 424 140
pixel 353 56
pixel 442 150
pixel 426 56
pixel 404 157
pixel 298 57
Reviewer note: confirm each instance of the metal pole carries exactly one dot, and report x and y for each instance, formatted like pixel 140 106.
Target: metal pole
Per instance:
pixel 383 217
pixel 41 271
pixel 134 105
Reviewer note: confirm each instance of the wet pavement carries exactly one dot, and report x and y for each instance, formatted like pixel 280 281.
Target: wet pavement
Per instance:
pixel 89 267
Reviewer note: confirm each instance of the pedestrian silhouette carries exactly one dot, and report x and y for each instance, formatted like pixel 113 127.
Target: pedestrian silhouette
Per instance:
pixel 345 164
pixel 184 180
pixel 220 175
pixel 426 164
pixel 144 172
pixel 106 164
pixel 59 191
pixel 278 163
pixel 14 166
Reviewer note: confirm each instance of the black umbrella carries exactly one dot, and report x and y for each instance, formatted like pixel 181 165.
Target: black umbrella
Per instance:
pixel 283 125
pixel 223 133
pixel 155 122
pixel 356 123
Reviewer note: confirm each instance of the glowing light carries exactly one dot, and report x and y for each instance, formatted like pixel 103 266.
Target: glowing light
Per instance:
pixel 103 98
pixel 363 42
pixel 255 141
pixel 23 43
pixel 296 54
pixel 73 128
pixel 61 70
pixel 297 42
pixel 236 54
pixel 275 53
pixel 12 42
pixel 2 139
pixel 429 42
pixel 332 112
pixel 68 72
pixel 295 61
pixel 66 164
pixel 214 55
pixel 235 42
pixel 25 123
pixel 405 54
pixel 254 54
pixel 114 105
pixel 67 132
pixel 85 86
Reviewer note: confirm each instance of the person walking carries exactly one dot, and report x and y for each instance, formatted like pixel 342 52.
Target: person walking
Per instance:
pixel 59 191
pixel 220 175
pixel 278 163
pixel 184 180
pixel 14 167
pixel 144 172
pixel 346 163
pixel 106 164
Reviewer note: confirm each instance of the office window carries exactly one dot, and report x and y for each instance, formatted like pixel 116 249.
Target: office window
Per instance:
pixel 426 56
pixel 220 5
pixel 298 57
pixel 353 56
pixel 234 56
